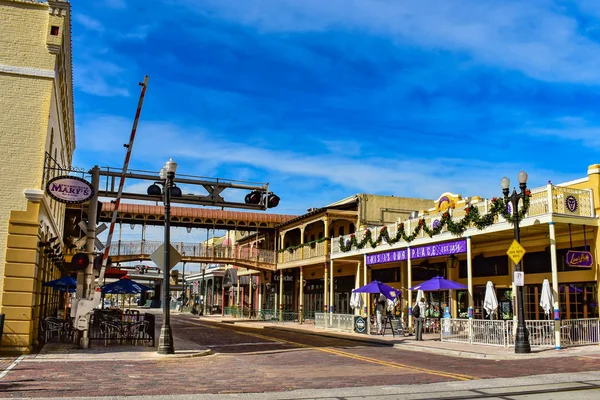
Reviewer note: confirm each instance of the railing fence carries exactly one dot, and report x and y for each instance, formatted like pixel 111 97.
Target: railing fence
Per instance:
pixel 573 332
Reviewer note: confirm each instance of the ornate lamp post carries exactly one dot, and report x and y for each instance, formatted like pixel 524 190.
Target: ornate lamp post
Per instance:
pixel 167 174
pixel 522 340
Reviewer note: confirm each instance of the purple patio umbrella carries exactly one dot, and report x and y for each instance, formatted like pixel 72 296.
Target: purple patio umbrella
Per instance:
pixel 379 287
pixel 438 283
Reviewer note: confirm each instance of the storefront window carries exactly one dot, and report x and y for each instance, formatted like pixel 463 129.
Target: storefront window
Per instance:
pixel 578 300
pixel 484 266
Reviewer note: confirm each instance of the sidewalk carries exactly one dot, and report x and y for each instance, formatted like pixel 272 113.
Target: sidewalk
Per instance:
pixel 431 344
pixel 98 351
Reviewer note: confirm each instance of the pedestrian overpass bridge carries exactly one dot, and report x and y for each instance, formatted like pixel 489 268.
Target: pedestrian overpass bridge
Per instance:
pixel 245 257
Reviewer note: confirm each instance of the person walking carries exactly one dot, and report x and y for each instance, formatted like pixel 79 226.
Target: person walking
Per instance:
pixel 418 313
pixel 381 302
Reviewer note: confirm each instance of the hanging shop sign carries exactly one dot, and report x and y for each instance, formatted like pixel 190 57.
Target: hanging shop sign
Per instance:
pixel 433 250
pixel 230 278
pixel 581 259
pixel 70 189
pixel 286 278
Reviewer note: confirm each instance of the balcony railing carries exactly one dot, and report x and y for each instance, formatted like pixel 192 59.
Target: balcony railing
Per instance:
pixel 545 200
pixel 303 253
pixel 194 250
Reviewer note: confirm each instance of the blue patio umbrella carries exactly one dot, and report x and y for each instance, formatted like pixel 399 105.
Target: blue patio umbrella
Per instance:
pixel 124 286
pixel 379 287
pixel 63 284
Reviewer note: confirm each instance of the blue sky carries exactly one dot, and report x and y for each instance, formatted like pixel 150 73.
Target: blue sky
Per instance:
pixel 325 99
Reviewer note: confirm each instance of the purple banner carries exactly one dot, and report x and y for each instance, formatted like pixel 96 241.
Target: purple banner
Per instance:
pixel 433 250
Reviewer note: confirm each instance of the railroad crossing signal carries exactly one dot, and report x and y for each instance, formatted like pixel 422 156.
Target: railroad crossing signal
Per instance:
pixel 99 229
pixel 159 257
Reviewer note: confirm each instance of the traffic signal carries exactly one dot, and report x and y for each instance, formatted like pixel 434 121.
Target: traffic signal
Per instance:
pixel 99 212
pixel 80 262
pixel 273 200
pixel 253 197
pixel 98 262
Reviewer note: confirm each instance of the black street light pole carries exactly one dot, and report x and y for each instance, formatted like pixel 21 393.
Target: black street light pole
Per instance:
pixel 165 341
pixel 522 340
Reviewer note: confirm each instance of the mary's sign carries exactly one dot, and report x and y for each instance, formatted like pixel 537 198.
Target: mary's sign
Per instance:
pixel 70 189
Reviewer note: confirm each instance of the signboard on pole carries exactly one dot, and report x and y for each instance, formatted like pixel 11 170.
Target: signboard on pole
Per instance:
pixel 519 278
pixel 159 257
pixel 516 252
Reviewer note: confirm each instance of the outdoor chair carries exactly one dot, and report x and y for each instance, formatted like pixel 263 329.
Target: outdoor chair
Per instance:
pixel 139 332
pixel 112 331
pixel 52 327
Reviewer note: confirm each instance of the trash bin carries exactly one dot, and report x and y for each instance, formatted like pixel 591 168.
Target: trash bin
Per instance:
pixel 360 325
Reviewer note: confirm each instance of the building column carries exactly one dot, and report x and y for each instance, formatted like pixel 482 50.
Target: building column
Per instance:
pixel 357 311
pixel 404 287
pixel 470 286
pixel 408 285
pixel 281 244
pixel 301 299
pixel 250 293
pixel 326 246
pixel 331 292
pixel 325 288
pixel 260 285
pixel 281 295
pixel 21 272
pixel 237 297
pixel 470 277
pixel 302 242
pixel 556 305
pixel 365 296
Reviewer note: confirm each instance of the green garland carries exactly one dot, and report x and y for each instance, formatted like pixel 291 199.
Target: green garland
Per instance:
pixel 298 246
pixel 457 228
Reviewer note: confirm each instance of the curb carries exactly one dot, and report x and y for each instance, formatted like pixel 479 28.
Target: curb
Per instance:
pixel 407 346
pixel 449 352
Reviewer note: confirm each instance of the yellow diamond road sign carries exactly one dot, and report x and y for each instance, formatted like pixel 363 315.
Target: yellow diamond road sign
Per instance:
pixel 516 252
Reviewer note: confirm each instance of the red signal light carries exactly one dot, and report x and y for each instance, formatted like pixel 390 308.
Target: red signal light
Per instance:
pixel 80 261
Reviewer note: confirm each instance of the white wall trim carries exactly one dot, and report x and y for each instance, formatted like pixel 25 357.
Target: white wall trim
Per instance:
pixel 42 73
pixel 574 182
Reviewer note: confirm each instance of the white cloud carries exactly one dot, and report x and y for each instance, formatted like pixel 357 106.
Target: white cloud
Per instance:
pixel 569 128
pixel 89 22
pixel 291 171
pixel 530 37
pixel 98 77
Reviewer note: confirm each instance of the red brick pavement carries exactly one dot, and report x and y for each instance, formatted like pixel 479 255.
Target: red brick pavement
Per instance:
pixel 262 360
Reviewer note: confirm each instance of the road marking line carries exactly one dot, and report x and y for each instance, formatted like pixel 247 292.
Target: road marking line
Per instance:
pixel 11 366
pixel 240 344
pixel 359 357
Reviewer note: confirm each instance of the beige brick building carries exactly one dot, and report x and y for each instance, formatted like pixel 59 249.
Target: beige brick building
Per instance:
pixel 36 139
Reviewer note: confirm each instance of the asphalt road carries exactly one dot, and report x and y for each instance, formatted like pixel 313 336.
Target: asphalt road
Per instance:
pixel 269 361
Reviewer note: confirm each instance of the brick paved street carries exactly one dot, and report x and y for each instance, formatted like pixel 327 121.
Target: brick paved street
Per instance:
pixel 263 360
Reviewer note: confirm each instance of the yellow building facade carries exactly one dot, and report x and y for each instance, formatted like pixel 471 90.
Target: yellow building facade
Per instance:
pixel 560 218
pixel 37 140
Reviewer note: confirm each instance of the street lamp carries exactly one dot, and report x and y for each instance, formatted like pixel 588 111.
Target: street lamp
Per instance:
pixel 167 174
pixel 522 340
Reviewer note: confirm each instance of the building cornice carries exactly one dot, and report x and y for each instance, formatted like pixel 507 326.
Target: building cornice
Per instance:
pixel 27 71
